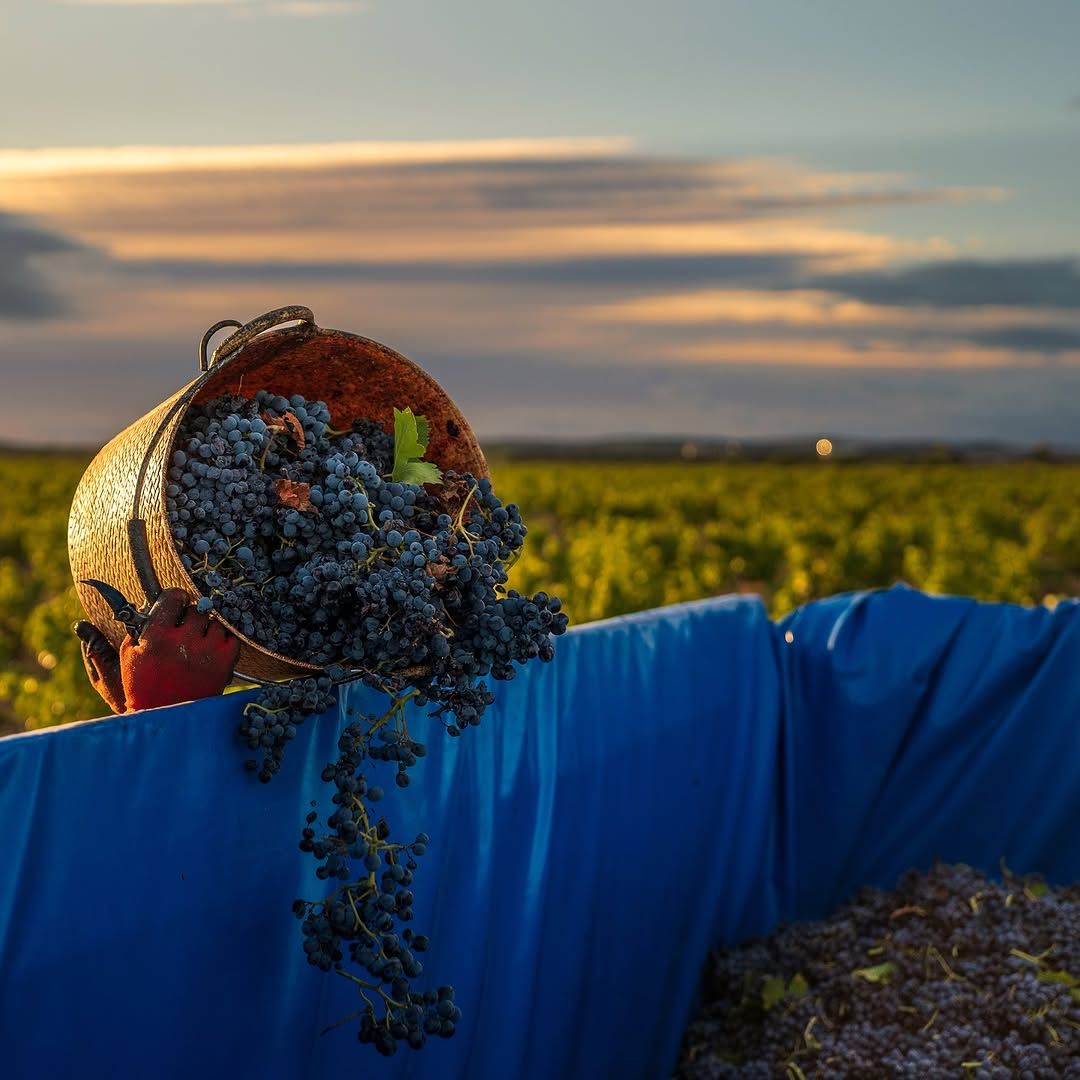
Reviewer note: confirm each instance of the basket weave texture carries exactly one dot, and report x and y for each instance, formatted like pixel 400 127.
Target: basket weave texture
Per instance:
pixel 355 376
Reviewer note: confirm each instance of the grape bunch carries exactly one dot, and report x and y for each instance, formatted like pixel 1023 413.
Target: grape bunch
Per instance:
pixel 270 722
pixel 334 547
pixel 948 974
pixel 359 917
pixel 298 535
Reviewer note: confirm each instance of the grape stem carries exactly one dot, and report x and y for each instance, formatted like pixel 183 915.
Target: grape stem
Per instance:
pixel 263 708
pixel 461 512
pixel 372 986
pixel 396 709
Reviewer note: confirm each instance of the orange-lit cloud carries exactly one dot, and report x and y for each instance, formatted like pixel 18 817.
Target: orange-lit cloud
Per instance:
pixel 836 248
pixel 502 201
pixel 120 160
pixel 877 353
pixel 816 308
pixel 798 307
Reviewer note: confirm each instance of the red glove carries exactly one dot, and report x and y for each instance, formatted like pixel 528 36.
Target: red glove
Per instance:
pixel 180 655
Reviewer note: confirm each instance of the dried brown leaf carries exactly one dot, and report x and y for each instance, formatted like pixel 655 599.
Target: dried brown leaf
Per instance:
pixel 296 429
pixel 274 424
pixel 286 423
pixel 439 568
pixel 294 493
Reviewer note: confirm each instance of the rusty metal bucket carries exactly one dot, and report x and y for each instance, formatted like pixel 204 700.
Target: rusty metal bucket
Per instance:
pixel 118 530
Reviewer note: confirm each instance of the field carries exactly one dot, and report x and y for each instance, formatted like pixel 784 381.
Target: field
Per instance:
pixel 611 539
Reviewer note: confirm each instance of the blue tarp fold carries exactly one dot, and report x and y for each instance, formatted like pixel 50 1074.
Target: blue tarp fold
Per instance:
pixel 676 778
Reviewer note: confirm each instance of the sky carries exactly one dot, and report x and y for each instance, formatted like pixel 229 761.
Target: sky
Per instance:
pixel 853 219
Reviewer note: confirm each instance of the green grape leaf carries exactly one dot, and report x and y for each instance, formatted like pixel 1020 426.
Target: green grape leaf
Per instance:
pixel 407 439
pixel 879 973
pixel 411 434
pixel 419 472
pixel 798 986
pixel 773 989
pixel 1062 977
pixel 423 430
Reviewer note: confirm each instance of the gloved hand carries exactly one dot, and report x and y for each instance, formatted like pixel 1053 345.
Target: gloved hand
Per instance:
pixel 179 655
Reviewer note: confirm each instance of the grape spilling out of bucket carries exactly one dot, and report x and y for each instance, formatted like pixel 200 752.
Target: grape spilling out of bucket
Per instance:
pixel 948 974
pixel 344 548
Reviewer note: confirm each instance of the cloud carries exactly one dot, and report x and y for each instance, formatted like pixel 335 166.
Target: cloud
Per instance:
pixel 739 306
pixel 587 196
pixel 528 397
pixel 452 242
pixel 64 163
pixel 25 292
pixel 1041 339
pixel 721 320
pixel 861 353
pixel 524 203
pixel 774 325
pixel 1037 283
pixel 634 271
pixel 546 281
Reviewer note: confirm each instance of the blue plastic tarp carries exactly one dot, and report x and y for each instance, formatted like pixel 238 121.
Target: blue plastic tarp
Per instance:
pixel 675 779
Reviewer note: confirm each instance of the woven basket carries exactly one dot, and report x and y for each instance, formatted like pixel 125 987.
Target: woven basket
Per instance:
pixel 118 530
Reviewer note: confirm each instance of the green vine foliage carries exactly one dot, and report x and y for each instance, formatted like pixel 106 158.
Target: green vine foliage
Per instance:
pixel 42 681
pixel 614 538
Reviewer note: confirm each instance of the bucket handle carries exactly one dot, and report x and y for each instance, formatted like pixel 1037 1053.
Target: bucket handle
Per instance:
pixel 138 540
pixel 235 342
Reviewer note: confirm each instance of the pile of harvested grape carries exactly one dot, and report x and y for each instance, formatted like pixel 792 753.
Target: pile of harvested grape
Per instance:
pixel 949 974
pixel 344 548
